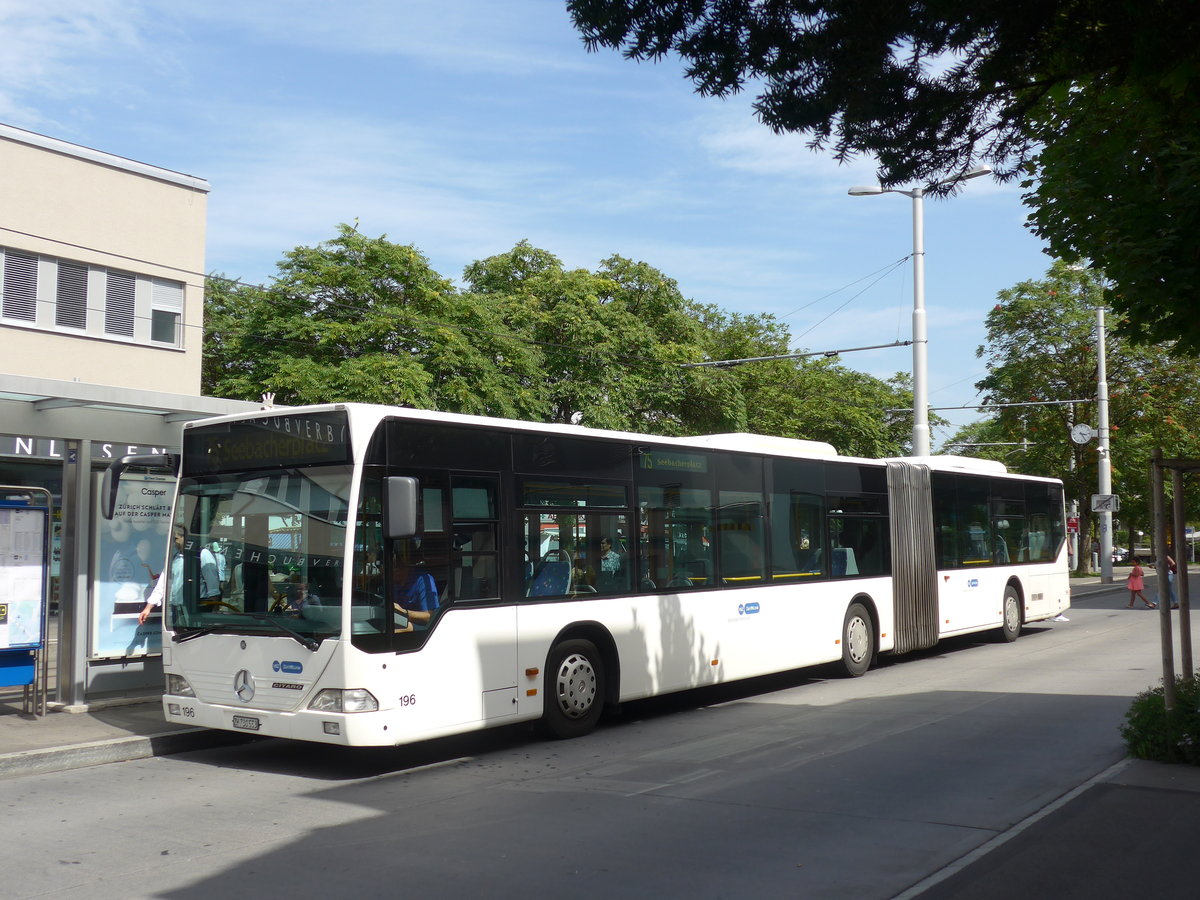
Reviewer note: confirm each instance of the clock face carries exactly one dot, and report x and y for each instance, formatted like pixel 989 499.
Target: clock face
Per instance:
pixel 1082 433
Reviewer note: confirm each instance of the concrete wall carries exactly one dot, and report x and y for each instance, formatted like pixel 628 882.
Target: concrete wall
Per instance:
pixel 84 206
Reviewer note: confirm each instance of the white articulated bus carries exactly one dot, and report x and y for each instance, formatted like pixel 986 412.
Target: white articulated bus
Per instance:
pixel 391 575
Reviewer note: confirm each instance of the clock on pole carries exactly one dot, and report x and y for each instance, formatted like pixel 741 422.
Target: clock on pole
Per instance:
pixel 1082 433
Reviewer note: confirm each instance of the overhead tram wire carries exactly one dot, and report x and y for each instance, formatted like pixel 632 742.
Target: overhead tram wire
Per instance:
pixel 883 273
pixel 720 363
pixel 984 407
pixel 882 276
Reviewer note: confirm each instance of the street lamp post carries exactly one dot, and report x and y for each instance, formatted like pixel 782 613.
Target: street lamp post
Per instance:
pixel 1104 457
pixel 920 433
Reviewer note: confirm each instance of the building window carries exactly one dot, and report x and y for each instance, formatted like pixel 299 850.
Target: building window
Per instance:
pixel 70 308
pixel 100 302
pixel 166 312
pixel 119 304
pixel 20 286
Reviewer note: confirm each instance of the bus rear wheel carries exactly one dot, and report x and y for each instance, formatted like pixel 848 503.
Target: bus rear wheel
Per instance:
pixel 574 689
pixel 858 640
pixel 1011 627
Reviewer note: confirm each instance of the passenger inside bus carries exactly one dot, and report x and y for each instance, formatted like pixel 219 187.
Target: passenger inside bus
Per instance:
pixel 583 575
pixel 609 578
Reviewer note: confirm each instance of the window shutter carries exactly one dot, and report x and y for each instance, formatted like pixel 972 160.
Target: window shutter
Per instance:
pixel 20 286
pixel 118 304
pixel 165 317
pixel 70 311
pixel 168 295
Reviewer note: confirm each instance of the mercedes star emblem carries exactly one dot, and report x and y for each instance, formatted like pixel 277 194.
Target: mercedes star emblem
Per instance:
pixel 243 685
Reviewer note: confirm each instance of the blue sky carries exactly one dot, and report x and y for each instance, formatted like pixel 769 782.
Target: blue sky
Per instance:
pixel 464 126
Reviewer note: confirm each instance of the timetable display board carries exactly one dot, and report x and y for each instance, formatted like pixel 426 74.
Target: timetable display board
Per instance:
pixel 23 570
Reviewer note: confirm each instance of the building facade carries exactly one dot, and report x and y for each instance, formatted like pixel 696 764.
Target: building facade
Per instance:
pixel 101 324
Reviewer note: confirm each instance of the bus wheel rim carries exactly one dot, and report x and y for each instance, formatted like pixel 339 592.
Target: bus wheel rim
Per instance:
pixel 856 639
pixel 1012 614
pixel 575 686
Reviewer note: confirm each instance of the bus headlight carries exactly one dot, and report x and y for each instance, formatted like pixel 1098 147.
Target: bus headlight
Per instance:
pixel 344 700
pixel 178 685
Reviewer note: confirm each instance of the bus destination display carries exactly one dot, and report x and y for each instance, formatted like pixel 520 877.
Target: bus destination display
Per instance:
pixel 310 439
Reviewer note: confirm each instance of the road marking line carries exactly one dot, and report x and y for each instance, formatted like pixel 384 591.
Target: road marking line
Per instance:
pixel 1005 836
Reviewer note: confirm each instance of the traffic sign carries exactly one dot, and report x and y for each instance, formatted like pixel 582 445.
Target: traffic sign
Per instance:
pixel 1105 503
pixel 1072 525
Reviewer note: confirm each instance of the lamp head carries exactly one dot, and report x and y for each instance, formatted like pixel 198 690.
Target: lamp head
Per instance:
pixel 865 190
pixel 975 172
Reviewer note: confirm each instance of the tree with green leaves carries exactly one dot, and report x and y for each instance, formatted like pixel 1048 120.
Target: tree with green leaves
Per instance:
pixel 1095 98
pixel 611 343
pixel 1116 184
pixel 365 319
pixel 358 318
pixel 1041 346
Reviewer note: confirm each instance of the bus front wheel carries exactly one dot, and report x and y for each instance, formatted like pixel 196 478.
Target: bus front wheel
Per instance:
pixel 574 689
pixel 1012 615
pixel 858 640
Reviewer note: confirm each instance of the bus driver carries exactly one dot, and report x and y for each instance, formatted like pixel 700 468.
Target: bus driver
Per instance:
pixel 414 594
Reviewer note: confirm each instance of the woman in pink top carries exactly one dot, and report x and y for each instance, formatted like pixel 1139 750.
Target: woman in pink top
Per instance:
pixel 1137 584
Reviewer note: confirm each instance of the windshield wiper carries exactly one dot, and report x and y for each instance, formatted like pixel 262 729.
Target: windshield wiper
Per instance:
pixel 200 631
pixel 302 639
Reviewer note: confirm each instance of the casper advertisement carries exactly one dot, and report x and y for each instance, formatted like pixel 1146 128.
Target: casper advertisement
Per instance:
pixel 129 554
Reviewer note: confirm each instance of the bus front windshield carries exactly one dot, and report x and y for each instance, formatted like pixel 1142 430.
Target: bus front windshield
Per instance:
pixel 260 552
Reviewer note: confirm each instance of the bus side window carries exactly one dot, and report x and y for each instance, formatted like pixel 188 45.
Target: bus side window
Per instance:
pixel 474 573
pixel 474 557
pixel 859 538
pixel 740 531
pixel 945 529
pixel 418 568
pixel 675 548
pixel 974 523
pixel 797 519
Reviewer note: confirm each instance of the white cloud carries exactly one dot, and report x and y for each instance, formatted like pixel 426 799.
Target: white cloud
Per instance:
pixel 49 48
pixel 516 35
pixel 734 138
pixel 290 183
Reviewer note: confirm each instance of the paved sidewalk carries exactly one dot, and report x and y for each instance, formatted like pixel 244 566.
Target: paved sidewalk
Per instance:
pixel 115 731
pixel 1129 832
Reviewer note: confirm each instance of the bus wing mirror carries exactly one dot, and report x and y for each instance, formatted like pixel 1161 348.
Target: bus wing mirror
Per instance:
pixel 112 476
pixel 400 514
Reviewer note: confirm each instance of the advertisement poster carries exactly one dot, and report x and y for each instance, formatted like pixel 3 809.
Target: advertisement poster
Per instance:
pixel 22 577
pixel 129 552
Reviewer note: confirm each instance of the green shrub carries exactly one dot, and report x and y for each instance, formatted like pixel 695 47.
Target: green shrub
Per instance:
pixel 1150 734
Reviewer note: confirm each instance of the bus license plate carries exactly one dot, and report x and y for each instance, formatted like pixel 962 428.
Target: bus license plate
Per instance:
pixel 250 723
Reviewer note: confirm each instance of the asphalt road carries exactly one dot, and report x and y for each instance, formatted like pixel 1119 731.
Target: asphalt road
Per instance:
pixel 804 785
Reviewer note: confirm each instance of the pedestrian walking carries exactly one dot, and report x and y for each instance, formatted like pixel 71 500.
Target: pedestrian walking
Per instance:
pixel 1136 584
